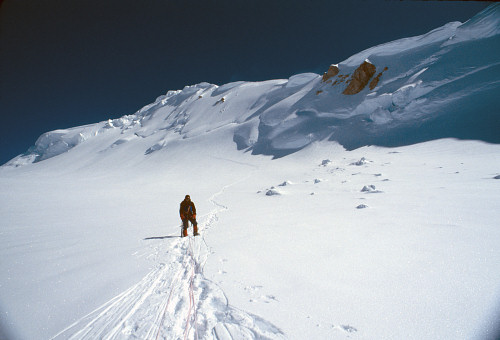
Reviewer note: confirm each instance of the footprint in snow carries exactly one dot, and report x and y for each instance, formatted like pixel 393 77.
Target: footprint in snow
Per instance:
pixel 370 189
pixel 264 299
pixel 253 288
pixel 345 328
pixel 348 329
pixel 336 169
pixel 272 192
pixel 361 162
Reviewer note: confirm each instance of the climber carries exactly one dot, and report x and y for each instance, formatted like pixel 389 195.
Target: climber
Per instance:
pixel 188 214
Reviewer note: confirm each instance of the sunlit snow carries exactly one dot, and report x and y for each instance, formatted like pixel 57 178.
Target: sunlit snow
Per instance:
pixel 322 215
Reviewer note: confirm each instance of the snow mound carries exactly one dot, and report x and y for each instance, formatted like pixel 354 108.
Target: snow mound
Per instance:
pixel 56 142
pixel 361 162
pixel 273 192
pixel 301 79
pixel 370 189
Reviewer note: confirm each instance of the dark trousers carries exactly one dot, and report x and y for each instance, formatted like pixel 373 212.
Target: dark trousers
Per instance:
pixel 185 225
pixel 189 219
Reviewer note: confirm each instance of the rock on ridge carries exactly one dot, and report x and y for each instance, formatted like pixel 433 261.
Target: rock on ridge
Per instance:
pixel 375 80
pixel 360 78
pixel 333 70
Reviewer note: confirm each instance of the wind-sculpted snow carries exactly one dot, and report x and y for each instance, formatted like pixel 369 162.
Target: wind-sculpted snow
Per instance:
pixel 440 84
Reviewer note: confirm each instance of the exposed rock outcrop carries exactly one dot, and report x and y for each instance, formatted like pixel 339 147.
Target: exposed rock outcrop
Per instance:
pixel 340 79
pixel 360 78
pixel 333 70
pixel 375 80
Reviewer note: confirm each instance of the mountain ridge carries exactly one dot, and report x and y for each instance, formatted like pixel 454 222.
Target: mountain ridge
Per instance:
pixel 436 85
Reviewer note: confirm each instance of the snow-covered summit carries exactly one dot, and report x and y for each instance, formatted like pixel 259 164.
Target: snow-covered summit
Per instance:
pixel 441 84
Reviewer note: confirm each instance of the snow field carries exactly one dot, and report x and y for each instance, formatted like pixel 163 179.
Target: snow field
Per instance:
pixel 99 261
pixel 104 239
pixel 419 252
pixel 300 237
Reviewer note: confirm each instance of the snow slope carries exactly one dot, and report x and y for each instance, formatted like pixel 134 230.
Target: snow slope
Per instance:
pixel 441 84
pixel 307 230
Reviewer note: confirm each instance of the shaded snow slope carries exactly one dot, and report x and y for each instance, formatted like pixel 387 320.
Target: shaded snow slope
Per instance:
pixel 441 84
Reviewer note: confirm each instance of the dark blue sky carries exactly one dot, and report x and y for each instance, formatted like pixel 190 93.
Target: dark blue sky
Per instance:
pixel 68 63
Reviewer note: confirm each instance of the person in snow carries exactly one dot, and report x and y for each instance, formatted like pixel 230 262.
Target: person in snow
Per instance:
pixel 188 214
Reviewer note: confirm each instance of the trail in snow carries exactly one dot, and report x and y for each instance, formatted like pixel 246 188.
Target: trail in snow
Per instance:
pixel 174 301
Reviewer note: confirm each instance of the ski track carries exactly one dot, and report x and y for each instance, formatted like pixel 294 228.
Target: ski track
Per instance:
pixel 174 300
